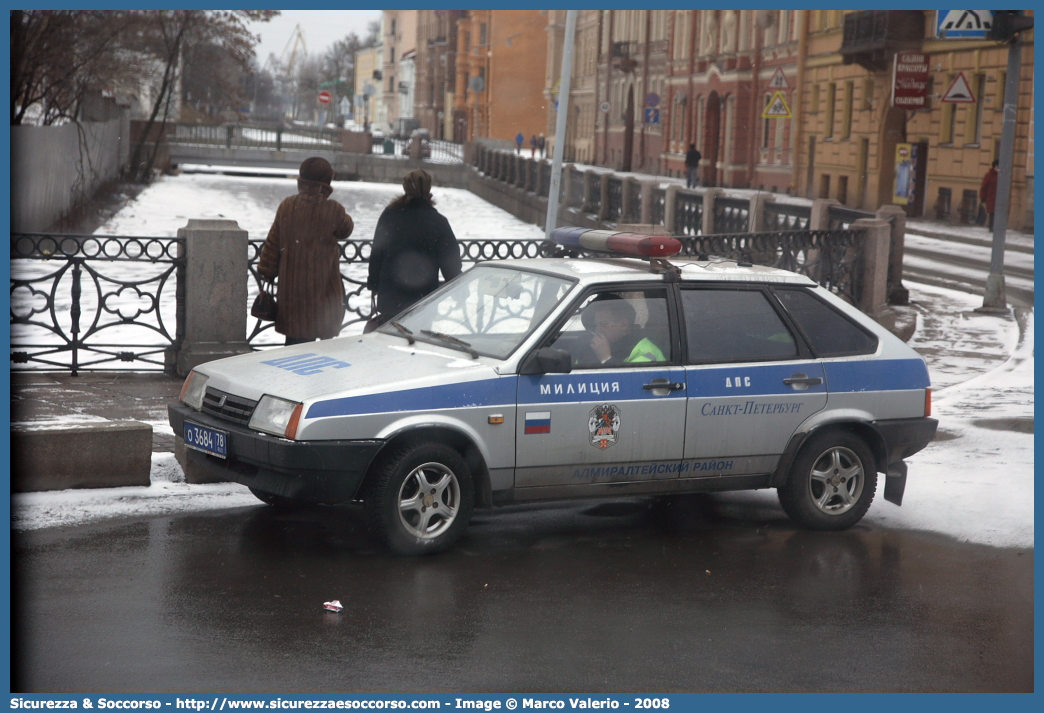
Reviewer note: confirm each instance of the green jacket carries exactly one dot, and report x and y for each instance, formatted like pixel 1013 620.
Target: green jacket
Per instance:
pixel 645 350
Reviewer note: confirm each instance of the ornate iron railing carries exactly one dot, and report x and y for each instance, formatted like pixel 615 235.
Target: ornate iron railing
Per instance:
pixel 594 195
pixel 688 213
pixel 832 258
pixel 614 199
pixel 659 206
pixel 731 215
pixel 787 216
pixel 82 302
pixel 255 136
pixel 576 188
pixel 840 217
pixel 545 178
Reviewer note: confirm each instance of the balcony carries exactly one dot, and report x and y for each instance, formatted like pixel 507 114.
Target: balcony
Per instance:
pixel 871 37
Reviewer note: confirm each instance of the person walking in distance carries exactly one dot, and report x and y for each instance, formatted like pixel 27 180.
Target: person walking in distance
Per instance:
pixel 988 192
pixel 692 167
pixel 541 144
pixel 411 244
pixel 532 146
pixel 302 250
pixel 519 138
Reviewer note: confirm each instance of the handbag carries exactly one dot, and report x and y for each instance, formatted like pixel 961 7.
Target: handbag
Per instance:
pixel 981 218
pixel 375 320
pixel 265 307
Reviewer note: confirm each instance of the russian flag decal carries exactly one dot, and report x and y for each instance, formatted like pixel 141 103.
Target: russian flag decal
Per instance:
pixel 538 422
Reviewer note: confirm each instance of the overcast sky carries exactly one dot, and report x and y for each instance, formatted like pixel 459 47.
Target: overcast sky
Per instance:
pixel 321 29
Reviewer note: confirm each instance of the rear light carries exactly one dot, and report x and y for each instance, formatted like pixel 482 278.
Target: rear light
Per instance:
pixel 927 403
pixel 607 241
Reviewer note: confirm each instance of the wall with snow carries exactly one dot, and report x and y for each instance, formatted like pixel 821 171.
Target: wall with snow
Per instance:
pixel 60 167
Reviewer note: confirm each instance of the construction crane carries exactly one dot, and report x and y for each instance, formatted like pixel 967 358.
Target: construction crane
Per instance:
pixel 284 66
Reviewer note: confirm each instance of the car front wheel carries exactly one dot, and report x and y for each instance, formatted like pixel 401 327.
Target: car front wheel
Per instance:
pixel 422 499
pixel 831 483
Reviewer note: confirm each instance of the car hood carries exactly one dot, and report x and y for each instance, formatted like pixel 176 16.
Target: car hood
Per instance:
pixel 367 364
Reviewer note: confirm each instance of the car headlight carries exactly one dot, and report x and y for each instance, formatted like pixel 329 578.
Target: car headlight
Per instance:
pixel 193 390
pixel 276 416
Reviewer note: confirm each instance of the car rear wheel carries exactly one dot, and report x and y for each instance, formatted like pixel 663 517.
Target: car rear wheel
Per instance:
pixel 421 500
pixel 831 483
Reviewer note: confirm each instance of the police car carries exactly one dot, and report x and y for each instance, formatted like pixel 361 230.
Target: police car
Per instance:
pixel 557 378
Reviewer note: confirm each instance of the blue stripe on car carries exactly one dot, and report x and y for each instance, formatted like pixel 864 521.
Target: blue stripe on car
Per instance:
pixel 486 392
pixel 876 375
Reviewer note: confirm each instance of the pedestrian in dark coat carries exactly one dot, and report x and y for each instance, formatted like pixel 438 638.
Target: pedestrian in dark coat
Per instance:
pixel 532 146
pixel 988 192
pixel 411 244
pixel 303 252
pixel 519 138
pixel 692 164
pixel 540 145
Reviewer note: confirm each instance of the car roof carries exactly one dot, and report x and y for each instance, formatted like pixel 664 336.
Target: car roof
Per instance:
pixel 599 269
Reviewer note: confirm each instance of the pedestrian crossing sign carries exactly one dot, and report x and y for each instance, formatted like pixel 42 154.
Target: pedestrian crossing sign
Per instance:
pixel 777 108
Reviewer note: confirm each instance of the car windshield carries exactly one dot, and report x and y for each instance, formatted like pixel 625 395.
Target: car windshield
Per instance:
pixel 490 310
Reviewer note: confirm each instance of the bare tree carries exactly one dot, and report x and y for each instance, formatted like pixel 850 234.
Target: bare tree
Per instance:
pixel 58 56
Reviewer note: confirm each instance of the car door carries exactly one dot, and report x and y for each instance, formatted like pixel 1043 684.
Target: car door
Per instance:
pixel 618 421
pixel 750 381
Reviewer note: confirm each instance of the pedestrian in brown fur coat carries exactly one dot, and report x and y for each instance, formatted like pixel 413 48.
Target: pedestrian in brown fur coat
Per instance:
pixel 302 251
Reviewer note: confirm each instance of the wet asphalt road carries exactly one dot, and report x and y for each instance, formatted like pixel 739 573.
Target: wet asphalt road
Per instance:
pixel 707 594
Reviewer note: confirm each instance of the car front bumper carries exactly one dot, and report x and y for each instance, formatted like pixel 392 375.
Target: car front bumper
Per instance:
pixel 314 471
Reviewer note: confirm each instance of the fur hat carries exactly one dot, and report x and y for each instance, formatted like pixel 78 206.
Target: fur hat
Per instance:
pixel 317 169
pixel 611 301
pixel 417 184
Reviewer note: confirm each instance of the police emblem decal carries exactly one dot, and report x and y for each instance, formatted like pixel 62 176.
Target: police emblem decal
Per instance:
pixel 604 426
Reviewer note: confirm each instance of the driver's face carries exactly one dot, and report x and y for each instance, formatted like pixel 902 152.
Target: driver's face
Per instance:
pixel 610 325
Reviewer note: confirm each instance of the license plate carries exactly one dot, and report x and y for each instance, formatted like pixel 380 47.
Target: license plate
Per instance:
pixel 208 440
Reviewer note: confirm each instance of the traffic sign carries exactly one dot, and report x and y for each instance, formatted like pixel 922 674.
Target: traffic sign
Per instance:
pixel 652 99
pixel 960 91
pixel 777 108
pixel 324 97
pixel 652 116
pixel 779 81
pixel 963 24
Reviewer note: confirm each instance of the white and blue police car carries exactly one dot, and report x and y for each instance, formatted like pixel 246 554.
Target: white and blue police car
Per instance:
pixel 558 378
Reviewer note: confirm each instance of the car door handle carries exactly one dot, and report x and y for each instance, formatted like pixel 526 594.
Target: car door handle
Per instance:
pixel 803 380
pixel 663 384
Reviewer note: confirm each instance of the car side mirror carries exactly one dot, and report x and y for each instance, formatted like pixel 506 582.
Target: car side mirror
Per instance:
pixel 547 361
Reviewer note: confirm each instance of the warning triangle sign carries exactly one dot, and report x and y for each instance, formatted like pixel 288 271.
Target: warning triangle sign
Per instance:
pixel 776 108
pixel 960 91
pixel 779 81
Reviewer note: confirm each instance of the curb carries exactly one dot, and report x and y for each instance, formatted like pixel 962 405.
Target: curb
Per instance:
pixel 101 454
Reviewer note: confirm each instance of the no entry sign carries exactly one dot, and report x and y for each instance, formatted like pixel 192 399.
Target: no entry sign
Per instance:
pixel 324 97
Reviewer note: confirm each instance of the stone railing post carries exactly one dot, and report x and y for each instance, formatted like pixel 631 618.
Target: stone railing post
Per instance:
pixel 670 200
pixel 896 216
pixel 756 214
pixel 603 203
pixel 873 297
pixel 647 188
pixel 630 188
pixel 709 196
pixel 520 180
pixel 215 293
pixel 819 218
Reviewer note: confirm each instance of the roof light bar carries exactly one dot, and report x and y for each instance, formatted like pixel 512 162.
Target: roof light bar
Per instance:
pixel 634 244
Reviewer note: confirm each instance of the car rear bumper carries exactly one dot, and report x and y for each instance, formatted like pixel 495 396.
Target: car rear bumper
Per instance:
pixel 905 436
pixel 316 471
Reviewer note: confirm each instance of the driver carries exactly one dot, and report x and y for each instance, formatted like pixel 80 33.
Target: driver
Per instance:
pixel 617 340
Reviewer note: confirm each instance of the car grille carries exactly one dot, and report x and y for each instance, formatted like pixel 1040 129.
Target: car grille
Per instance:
pixel 228 407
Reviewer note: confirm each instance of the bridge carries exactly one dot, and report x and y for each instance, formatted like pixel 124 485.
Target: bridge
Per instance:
pixel 354 155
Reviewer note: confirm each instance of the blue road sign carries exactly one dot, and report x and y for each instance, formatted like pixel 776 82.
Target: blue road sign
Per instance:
pixel 652 116
pixel 963 24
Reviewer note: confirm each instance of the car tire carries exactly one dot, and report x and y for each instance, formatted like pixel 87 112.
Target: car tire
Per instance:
pixel 277 501
pixel 831 482
pixel 410 521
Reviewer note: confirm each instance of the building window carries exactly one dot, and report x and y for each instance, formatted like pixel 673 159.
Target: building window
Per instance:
pixel 467 40
pixel 482 33
pixel 393 27
pixel 973 124
pixel 814 103
pixel 824 186
pixel 765 124
pixel 842 190
pixel 868 93
pixel 830 101
pixel 948 120
pixel 392 55
pixel 846 117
